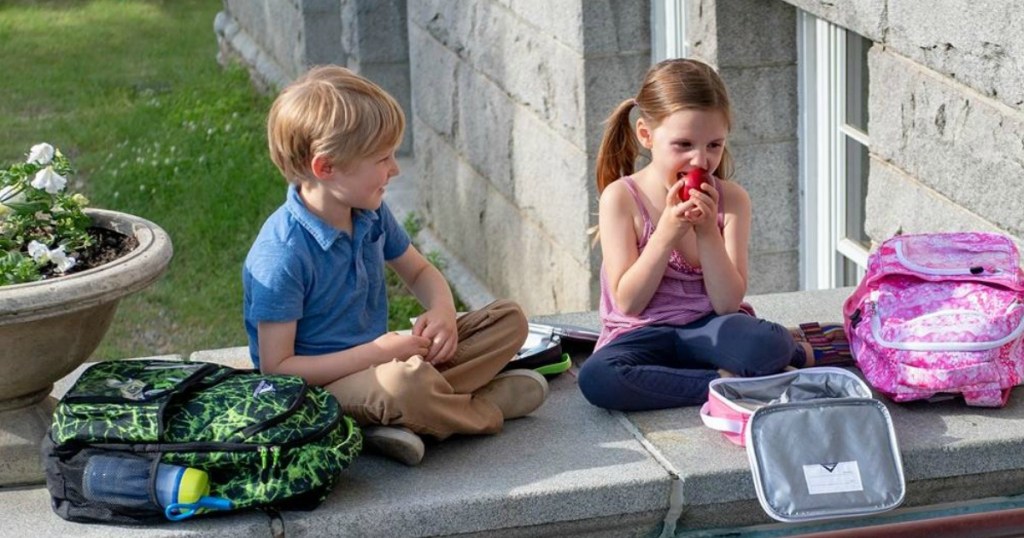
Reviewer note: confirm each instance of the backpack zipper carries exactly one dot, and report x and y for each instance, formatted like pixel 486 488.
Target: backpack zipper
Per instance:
pixel 300 399
pixel 876 333
pixel 960 271
pixel 208 446
pixel 195 378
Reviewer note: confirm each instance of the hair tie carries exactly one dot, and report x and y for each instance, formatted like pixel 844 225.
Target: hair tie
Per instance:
pixel 634 102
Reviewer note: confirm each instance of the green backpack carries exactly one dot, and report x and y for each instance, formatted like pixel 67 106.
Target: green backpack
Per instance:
pixel 264 441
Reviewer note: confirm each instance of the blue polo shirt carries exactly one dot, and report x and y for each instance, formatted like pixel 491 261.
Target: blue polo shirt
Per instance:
pixel 302 269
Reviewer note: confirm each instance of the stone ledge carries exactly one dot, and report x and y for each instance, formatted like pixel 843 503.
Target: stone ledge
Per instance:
pixel 573 469
pixel 951 452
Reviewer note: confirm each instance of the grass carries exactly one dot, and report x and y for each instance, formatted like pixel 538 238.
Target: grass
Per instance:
pixel 132 92
pixel 401 304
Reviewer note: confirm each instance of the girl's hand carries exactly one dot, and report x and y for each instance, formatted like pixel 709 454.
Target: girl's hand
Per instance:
pixel 673 217
pixel 438 327
pixel 704 213
pixel 402 346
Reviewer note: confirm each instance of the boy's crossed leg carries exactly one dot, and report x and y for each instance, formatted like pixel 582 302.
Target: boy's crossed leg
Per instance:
pixel 439 402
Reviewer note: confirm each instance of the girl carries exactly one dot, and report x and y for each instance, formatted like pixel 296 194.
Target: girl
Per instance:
pixel 675 272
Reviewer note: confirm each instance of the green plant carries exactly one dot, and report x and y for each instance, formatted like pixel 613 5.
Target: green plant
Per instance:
pixel 155 127
pixel 43 230
pixel 402 305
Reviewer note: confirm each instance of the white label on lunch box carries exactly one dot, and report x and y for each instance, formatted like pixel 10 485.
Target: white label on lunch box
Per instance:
pixel 833 477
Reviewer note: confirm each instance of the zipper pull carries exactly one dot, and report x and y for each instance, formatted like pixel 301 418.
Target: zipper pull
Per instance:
pixel 264 468
pixel 267 472
pixel 855 318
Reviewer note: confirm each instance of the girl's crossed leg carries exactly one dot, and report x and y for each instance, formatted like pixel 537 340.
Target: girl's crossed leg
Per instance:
pixel 664 366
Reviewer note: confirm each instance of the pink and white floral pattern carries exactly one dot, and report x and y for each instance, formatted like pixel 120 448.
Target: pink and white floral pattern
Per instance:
pixel 940 313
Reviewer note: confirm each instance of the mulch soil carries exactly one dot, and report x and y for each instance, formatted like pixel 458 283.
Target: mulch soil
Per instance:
pixel 108 246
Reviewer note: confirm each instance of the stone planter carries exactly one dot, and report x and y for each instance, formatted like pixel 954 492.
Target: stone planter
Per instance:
pixel 49 328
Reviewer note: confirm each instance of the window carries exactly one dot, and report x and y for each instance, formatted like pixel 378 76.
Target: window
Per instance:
pixel 668 30
pixel 833 71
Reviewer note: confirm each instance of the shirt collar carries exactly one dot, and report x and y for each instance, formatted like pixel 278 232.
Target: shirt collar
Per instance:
pixel 325 234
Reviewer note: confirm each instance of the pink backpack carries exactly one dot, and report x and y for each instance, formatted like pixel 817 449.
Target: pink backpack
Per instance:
pixel 940 313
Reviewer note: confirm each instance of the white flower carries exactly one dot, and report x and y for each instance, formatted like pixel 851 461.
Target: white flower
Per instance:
pixel 61 260
pixel 39 252
pixel 48 180
pixel 40 154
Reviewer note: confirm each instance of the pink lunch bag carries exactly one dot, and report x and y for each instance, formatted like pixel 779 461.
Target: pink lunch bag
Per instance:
pixel 732 401
pixel 940 313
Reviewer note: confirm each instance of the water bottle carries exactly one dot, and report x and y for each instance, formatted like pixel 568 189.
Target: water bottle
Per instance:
pixel 118 480
pixel 182 485
pixel 124 480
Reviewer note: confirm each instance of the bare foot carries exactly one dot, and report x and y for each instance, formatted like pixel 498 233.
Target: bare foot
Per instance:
pixel 809 352
pixel 798 336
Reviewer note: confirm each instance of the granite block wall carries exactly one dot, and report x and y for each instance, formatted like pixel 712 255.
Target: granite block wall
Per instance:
pixel 945 113
pixel 752 43
pixel 508 103
pixel 278 40
pixel 506 100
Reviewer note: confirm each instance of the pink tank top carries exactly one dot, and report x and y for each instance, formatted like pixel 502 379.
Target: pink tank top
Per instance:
pixel 680 298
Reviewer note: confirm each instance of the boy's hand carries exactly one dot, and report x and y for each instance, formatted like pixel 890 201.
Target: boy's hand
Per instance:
pixel 402 346
pixel 438 326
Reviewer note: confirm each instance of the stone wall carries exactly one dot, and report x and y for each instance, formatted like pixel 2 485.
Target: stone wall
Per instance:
pixel 375 42
pixel 509 100
pixel 278 40
pixel 752 43
pixel 946 122
pixel 253 31
pixel 506 100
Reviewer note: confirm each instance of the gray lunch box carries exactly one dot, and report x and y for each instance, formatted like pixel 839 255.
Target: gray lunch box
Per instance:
pixel 820 446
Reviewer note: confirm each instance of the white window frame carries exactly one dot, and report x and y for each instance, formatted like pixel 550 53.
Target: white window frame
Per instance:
pixel 668 30
pixel 821 61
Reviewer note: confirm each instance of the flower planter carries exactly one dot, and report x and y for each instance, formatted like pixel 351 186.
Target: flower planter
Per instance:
pixel 49 328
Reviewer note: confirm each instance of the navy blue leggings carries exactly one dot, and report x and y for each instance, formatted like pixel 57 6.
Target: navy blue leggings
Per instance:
pixel 665 366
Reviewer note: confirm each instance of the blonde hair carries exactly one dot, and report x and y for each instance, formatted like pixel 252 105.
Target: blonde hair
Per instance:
pixel 334 112
pixel 668 87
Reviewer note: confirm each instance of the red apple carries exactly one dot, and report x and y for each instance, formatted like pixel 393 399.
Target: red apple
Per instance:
pixel 694 179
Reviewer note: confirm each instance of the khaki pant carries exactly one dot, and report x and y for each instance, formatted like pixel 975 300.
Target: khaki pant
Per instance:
pixel 438 401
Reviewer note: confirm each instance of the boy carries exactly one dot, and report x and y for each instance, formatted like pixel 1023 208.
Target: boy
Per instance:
pixel 315 303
